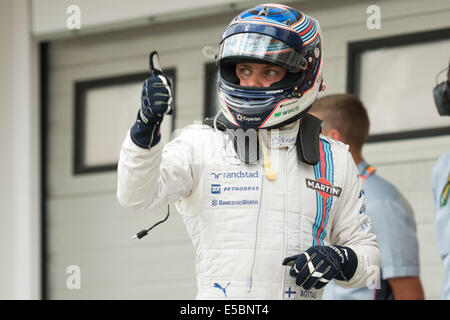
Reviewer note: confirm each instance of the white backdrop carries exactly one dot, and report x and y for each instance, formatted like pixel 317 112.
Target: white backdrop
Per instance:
pixel 49 16
pixel 397 85
pixel 120 104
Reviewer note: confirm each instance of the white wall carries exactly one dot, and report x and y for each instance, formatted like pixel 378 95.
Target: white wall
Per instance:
pixel 49 16
pixel 5 156
pixel 20 162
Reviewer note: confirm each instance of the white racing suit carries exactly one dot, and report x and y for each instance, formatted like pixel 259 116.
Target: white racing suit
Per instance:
pixel 242 224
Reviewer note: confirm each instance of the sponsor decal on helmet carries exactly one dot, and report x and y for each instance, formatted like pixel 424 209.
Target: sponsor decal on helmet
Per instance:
pixel 287 112
pixel 274 91
pixel 242 117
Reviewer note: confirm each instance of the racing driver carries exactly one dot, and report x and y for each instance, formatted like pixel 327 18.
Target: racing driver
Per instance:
pixel 274 209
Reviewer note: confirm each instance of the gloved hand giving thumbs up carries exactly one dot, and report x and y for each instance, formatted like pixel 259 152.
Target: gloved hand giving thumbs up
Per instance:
pixel 156 100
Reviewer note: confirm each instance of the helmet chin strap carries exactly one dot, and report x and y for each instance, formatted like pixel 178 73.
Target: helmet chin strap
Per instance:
pixel 307 142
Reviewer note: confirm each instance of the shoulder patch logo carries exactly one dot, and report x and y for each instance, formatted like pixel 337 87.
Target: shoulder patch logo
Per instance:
pixel 324 187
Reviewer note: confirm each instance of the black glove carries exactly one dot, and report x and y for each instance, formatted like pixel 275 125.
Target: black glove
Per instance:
pixel 156 100
pixel 315 267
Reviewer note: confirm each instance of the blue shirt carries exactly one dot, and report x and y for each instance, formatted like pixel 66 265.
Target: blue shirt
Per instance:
pixel 395 227
pixel 441 201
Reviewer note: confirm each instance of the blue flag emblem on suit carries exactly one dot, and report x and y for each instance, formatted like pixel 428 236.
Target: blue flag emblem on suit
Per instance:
pixel 215 189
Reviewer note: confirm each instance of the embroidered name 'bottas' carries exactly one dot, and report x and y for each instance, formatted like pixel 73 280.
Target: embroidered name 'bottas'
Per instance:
pixel 324 187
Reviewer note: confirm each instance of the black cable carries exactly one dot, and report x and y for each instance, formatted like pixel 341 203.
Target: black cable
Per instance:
pixel 144 232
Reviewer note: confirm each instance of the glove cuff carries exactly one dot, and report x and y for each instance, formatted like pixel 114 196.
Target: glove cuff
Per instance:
pixel 349 265
pixel 145 135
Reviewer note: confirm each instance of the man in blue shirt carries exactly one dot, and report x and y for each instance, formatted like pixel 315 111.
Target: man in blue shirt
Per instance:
pixel 346 120
pixel 441 186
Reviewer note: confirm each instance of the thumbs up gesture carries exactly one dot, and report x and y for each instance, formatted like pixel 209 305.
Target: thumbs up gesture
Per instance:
pixel 156 100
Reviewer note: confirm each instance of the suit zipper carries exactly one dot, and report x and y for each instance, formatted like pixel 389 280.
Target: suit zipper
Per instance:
pixel 250 278
pixel 283 279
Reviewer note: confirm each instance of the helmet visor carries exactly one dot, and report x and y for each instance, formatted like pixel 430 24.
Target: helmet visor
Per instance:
pixel 262 47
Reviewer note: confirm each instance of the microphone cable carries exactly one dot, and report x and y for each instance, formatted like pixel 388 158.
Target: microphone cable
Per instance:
pixel 144 232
